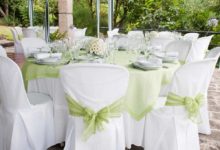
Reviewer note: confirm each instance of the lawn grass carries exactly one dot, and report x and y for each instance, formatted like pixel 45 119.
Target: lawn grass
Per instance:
pixel 5 32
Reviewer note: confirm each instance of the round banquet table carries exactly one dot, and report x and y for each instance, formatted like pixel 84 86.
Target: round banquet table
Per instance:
pixel 142 93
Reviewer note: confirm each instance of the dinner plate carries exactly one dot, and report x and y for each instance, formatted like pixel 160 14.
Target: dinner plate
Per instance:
pixel 49 61
pixel 170 59
pixel 146 67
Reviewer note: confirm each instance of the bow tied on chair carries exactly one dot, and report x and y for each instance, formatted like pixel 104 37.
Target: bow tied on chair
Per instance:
pixel 94 120
pixel 192 105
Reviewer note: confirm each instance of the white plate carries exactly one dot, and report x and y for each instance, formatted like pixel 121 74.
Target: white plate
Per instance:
pixel 170 59
pixel 48 61
pixel 56 55
pixel 151 62
pixel 146 67
pixel 159 54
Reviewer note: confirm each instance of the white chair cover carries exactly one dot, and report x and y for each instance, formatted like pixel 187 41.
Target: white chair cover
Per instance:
pixel 204 127
pixel 169 128
pixel 121 41
pixel 17 43
pixel 136 34
pixel 199 48
pixel 2 52
pixel 31 45
pixel 77 33
pixel 134 131
pixel 191 36
pixel 180 46
pixel 53 87
pixel 19 30
pixel 113 32
pixel 22 126
pixel 213 53
pixel 165 34
pixel 153 34
pixel 95 86
pixel 160 42
pixel 29 33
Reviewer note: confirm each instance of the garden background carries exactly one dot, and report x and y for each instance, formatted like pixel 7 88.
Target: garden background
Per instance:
pixel 174 15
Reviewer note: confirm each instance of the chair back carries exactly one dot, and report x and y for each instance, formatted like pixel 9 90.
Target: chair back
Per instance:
pixel 77 33
pixel 31 45
pixel 12 92
pixel 199 48
pixel 213 53
pixel 94 85
pixel 191 36
pixel 19 30
pixel 136 34
pixel 17 34
pixel 2 52
pixel 14 34
pixel 165 34
pixel 161 42
pixel 181 46
pixel 193 78
pixel 113 32
pixel 29 33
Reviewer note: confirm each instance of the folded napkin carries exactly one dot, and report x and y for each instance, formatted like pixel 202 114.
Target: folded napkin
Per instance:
pixel 172 54
pixel 56 55
pixel 151 62
pixel 41 55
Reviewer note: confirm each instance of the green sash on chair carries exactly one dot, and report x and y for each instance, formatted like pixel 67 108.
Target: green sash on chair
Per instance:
pixel 94 120
pixel 192 105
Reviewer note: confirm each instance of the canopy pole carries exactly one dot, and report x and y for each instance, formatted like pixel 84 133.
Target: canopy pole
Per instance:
pixel 30 12
pixel 110 13
pixel 98 16
pixel 46 23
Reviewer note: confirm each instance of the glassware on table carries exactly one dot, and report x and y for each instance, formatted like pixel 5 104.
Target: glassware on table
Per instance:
pixel 75 49
pixel 111 48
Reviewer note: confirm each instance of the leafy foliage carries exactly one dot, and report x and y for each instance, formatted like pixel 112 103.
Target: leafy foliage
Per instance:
pixel 57 35
pixel 18 12
pixel 128 14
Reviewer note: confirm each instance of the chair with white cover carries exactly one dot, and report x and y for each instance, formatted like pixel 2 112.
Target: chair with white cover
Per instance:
pixel 77 33
pixel 26 121
pixel 19 30
pixel 198 49
pixel 181 46
pixel 136 34
pixel 213 53
pixel 165 34
pixel 134 130
pixel 160 42
pixel 17 37
pixel 191 36
pixel 29 33
pixel 2 52
pixel 31 45
pixel 174 126
pixel 204 127
pixel 91 89
pixel 113 32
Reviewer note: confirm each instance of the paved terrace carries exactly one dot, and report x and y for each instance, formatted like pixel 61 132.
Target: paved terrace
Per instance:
pixel 207 142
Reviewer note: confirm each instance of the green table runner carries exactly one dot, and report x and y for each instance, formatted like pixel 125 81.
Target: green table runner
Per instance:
pixel 143 88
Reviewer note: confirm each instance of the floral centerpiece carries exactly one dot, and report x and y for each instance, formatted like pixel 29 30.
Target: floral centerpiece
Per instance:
pixel 97 46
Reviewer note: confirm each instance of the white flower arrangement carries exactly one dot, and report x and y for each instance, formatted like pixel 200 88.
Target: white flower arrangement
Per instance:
pixel 212 22
pixel 97 47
